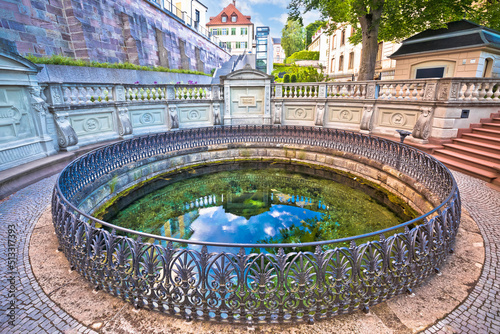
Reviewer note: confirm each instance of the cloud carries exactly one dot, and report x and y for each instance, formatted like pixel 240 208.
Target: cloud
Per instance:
pixel 281 19
pixel 310 17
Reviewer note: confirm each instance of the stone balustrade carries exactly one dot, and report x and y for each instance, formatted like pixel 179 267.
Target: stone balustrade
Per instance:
pixel 430 108
pixel 69 115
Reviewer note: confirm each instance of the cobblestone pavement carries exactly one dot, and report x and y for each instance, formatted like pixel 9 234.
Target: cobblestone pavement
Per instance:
pixel 36 313
pixel 480 312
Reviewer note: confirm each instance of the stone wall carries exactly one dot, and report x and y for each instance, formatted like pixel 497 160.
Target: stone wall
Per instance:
pixel 134 31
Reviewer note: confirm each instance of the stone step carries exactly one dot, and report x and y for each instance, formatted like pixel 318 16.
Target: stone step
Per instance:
pixel 465 159
pixel 496 120
pixel 474 152
pixel 491 126
pixel 487 132
pixel 468 169
pixel 495 149
pixel 482 138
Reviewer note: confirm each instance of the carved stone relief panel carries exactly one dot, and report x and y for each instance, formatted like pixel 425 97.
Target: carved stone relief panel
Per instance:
pixel 92 123
pixel 345 115
pixel 300 113
pixel 16 120
pixel 195 113
pixel 147 117
pixel 397 118
pixel 247 100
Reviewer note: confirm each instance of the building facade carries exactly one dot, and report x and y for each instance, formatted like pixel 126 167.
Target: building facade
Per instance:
pixel 278 51
pixel 342 59
pixel 264 50
pixel 193 12
pixel 234 30
pixel 462 49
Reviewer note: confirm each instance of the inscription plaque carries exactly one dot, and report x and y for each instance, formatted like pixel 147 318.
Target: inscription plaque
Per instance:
pixel 247 101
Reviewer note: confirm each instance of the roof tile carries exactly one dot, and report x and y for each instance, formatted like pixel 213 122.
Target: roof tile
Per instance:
pixel 229 11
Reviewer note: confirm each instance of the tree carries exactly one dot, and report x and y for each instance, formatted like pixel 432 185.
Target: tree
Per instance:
pixel 292 37
pixel 311 29
pixel 390 20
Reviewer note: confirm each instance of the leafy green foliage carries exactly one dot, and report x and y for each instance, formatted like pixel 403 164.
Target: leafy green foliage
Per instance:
pixel 311 29
pixel 292 37
pixel 302 73
pixel 61 60
pixel 394 20
pixel 303 55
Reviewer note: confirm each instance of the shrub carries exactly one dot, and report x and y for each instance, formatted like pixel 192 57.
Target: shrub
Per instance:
pixel 293 78
pixel 302 55
pixel 286 78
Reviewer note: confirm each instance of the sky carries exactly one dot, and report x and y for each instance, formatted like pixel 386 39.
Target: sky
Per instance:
pixel 271 13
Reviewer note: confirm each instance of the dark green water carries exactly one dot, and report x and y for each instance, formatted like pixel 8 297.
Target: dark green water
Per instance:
pixel 257 206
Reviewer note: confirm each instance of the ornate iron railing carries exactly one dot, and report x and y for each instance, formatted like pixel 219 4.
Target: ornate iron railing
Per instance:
pixel 266 287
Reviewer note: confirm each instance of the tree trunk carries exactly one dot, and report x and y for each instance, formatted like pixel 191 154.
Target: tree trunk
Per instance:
pixel 369 29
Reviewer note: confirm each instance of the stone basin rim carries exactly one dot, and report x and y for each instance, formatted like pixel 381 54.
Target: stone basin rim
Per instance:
pixel 351 239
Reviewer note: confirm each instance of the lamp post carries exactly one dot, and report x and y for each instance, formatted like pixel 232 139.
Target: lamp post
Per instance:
pixel 402 135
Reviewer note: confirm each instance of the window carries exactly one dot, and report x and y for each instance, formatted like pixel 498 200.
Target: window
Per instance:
pixel 433 72
pixel 244 31
pixel 224 18
pixel 262 48
pixel 234 18
pixel 237 45
pixel 352 30
pixel 351 61
pixel 224 31
pixel 341 63
pixel 488 66
pixel 197 15
pixel 219 31
pixel 243 45
pixel 332 66
pixel 233 31
pixel 333 41
pixel 342 38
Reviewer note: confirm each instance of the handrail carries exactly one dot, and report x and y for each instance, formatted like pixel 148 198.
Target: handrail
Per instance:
pixel 239 245
pixel 278 286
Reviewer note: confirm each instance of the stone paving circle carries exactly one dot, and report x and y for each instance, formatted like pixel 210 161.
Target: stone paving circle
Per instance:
pixel 41 304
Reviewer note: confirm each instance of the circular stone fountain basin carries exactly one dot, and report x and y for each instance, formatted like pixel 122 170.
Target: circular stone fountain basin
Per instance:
pixel 252 282
pixel 257 203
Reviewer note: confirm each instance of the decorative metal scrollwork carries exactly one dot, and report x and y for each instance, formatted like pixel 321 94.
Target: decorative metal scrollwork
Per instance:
pixel 244 287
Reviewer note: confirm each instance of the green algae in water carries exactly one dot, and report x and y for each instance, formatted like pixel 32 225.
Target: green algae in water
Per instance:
pixel 256 206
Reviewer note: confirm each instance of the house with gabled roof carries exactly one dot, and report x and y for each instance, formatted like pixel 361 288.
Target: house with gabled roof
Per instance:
pixel 234 30
pixel 462 49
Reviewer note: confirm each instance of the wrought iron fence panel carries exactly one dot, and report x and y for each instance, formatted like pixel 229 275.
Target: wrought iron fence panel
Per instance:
pixel 282 284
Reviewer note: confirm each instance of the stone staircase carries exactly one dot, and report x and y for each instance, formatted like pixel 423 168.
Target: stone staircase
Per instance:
pixel 476 151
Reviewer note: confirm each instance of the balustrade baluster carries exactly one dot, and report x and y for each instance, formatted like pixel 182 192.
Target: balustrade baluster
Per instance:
pixel 489 90
pixel 496 95
pixel 467 92
pixel 475 91
pixel 383 91
pixel 482 91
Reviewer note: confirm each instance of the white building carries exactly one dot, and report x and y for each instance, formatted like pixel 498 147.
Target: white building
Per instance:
pixel 234 30
pixel 319 43
pixel 278 51
pixel 192 12
pixel 343 59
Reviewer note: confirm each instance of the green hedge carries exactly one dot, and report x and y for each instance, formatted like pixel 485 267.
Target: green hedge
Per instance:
pixel 61 60
pixel 294 73
pixel 303 55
